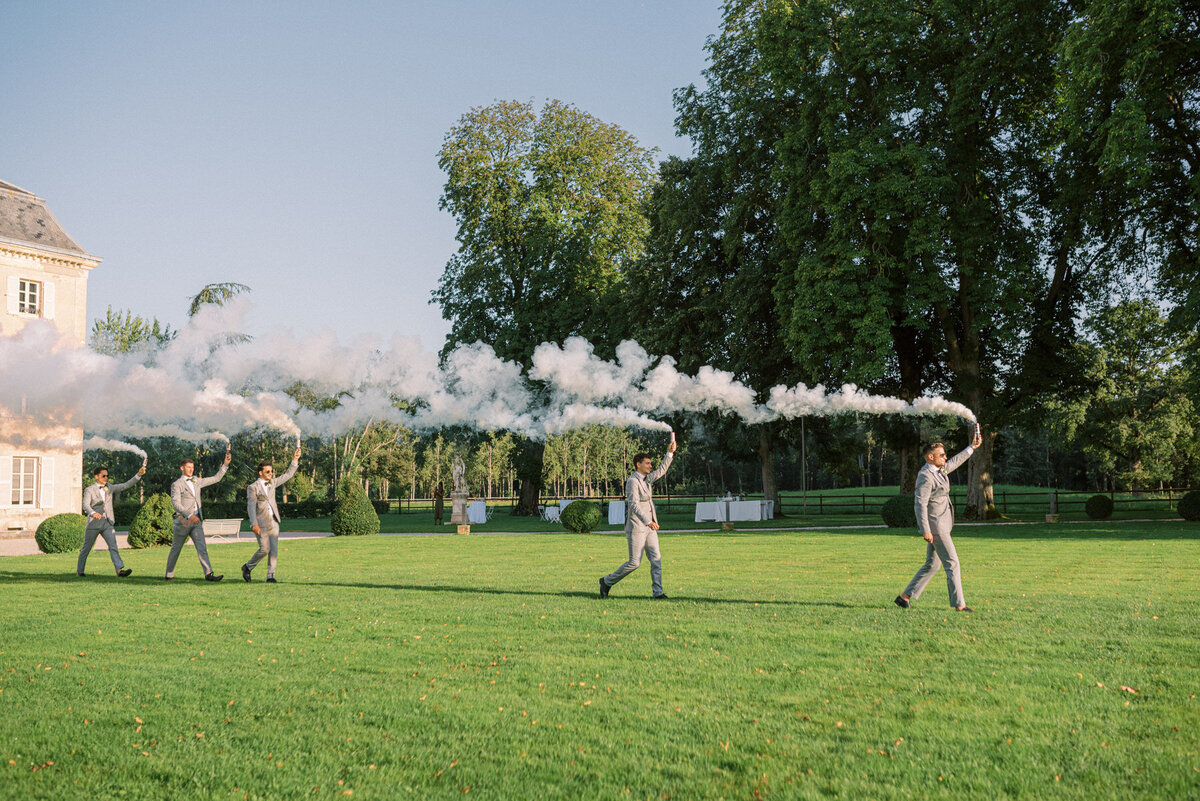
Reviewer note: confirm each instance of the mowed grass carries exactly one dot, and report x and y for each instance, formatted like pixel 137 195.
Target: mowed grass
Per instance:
pixel 485 666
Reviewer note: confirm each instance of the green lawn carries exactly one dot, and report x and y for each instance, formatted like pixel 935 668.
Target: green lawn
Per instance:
pixel 433 667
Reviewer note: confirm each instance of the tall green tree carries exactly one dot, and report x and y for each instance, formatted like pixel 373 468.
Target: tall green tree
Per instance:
pixel 1137 425
pixel 125 332
pixel 549 211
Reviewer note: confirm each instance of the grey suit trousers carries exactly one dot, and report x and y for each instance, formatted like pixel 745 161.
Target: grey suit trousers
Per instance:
pixel 183 531
pixel 268 545
pixel 939 553
pixel 641 539
pixel 99 528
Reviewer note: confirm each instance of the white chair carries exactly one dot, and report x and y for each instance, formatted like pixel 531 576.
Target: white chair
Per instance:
pixel 551 514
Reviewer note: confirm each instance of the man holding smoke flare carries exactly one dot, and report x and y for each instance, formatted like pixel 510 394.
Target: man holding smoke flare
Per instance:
pixel 264 514
pixel 98 508
pixel 189 517
pixel 641 522
pixel 935 518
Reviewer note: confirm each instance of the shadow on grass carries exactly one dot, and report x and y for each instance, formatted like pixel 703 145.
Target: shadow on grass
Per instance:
pixel 71 578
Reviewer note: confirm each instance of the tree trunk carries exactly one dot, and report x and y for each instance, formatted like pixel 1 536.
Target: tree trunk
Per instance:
pixel 770 474
pixel 529 476
pixel 910 465
pixel 981 504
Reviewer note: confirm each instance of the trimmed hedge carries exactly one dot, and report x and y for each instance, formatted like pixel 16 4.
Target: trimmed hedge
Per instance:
pixel 381 507
pixel 1099 507
pixel 153 524
pixel 61 533
pixel 898 512
pixel 1189 506
pixel 354 515
pixel 582 517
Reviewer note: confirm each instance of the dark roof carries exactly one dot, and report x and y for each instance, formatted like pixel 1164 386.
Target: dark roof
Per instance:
pixel 24 219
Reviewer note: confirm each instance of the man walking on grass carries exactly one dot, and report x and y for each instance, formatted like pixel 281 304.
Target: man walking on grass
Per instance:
pixel 189 517
pixel 264 515
pixel 98 508
pixel 641 522
pixel 935 518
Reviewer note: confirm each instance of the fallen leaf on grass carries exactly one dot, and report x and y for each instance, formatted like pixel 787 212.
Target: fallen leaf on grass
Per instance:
pixel 1128 689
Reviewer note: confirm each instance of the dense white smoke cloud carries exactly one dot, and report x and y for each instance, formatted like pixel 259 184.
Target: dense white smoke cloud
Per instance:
pixel 211 379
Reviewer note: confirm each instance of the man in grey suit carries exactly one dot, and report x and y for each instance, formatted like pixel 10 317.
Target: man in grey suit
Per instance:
pixel 98 509
pixel 189 517
pixel 264 515
pixel 641 523
pixel 935 518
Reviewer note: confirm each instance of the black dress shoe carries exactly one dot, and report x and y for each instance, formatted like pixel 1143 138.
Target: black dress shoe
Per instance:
pixel 604 588
pixel 168 578
pixel 271 580
pixel 245 573
pixel 662 597
pixel 211 577
pixel 903 602
pixel 966 609
pixel 123 572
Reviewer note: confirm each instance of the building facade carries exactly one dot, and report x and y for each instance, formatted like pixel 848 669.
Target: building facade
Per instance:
pixel 43 273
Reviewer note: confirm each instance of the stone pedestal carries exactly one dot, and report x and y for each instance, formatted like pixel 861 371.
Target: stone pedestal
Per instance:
pixel 458 511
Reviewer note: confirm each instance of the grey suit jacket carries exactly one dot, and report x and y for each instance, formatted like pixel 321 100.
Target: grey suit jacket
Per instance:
pixel 99 499
pixel 931 501
pixel 260 503
pixel 639 497
pixel 185 493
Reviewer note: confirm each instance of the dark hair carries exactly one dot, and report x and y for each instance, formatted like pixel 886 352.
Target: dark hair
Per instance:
pixel 99 470
pixel 637 457
pixel 931 447
pixel 186 461
pixel 261 465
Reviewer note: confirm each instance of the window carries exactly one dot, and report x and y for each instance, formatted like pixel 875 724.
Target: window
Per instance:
pixel 24 480
pixel 29 297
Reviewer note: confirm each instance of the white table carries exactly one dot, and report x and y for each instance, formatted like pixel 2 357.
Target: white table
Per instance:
pixel 746 510
pixel 477 512
pixel 712 511
pixel 616 513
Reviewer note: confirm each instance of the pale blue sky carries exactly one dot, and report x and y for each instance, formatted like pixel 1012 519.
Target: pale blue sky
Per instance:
pixel 292 145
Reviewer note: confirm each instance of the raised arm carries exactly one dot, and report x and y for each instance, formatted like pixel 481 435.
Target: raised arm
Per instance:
pixel 118 488
pixel 959 459
pixel 291 471
pixel 661 470
pixel 208 482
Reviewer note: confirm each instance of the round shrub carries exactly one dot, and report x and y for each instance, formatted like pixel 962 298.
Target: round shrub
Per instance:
pixel 582 517
pixel 898 512
pixel 1099 507
pixel 1189 506
pixel 153 523
pixel 354 514
pixel 61 533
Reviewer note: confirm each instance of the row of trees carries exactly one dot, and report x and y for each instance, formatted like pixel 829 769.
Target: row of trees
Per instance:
pixel 995 201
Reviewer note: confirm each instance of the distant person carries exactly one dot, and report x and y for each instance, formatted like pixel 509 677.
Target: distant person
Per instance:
pixel 641 523
pixel 189 516
pixel 935 518
pixel 439 504
pixel 98 509
pixel 264 515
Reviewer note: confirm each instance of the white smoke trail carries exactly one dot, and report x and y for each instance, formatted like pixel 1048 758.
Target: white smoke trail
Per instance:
pixel 209 379
pixel 102 444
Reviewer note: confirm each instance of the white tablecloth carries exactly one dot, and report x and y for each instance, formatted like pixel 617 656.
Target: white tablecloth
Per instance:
pixel 477 512
pixel 616 513
pixel 551 513
pixel 746 510
pixel 712 511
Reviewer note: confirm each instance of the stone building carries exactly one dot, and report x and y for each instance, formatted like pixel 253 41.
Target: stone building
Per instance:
pixel 43 273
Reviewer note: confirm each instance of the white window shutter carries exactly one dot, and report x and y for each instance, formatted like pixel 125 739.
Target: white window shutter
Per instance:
pixel 5 480
pixel 13 289
pixel 47 466
pixel 48 300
